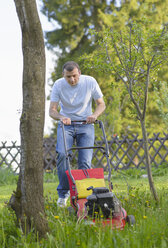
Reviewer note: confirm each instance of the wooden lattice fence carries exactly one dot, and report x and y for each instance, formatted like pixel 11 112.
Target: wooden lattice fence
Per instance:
pixel 125 152
pixel 10 155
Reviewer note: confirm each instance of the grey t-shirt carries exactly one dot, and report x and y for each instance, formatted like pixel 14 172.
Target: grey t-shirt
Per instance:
pixel 76 101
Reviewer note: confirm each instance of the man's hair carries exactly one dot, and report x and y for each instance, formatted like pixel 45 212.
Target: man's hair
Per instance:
pixel 70 66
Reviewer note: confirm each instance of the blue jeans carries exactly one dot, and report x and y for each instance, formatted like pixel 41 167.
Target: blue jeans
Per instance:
pixel 84 135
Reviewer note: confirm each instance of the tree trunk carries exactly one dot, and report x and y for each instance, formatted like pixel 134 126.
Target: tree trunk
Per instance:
pixel 28 201
pixel 147 159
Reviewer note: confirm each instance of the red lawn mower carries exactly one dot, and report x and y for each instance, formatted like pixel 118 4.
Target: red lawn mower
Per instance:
pixel 89 196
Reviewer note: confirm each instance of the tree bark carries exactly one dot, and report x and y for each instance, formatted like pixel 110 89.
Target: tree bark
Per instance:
pixel 28 201
pixel 147 159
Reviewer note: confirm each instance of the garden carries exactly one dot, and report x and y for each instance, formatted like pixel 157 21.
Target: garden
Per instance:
pixel 132 189
pixel 124 46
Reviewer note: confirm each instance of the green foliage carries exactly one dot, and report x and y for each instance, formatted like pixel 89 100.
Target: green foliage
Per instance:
pixel 71 39
pixel 161 170
pixel 50 176
pixel 73 20
pixel 154 11
pixel 162 100
pixel 132 56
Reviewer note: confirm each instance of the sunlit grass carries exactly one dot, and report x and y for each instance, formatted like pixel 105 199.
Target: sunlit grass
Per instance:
pixel 5 193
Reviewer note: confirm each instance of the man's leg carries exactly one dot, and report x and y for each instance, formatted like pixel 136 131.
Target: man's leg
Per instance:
pixel 85 137
pixel 63 187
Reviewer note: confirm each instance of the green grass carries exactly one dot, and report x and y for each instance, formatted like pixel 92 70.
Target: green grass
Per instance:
pixel 7 176
pixel 150 230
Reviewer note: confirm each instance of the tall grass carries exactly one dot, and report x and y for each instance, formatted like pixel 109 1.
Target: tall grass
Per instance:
pixel 150 230
pixel 7 176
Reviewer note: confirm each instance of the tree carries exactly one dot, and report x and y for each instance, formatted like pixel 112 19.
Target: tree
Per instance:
pixel 71 36
pixel 133 56
pixel 71 39
pixel 28 201
pixel 136 10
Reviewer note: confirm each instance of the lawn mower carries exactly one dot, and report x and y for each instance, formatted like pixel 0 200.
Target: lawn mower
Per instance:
pixel 89 196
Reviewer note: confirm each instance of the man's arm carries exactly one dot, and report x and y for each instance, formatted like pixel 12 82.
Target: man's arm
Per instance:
pixel 53 112
pixel 98 111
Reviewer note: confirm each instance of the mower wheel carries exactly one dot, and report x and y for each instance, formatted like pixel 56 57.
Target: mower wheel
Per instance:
pixel 130 219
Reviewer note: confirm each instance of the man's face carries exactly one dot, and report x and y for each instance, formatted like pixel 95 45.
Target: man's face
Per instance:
pixel 72 77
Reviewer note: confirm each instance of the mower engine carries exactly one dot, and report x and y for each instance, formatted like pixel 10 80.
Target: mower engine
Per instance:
pixel 102 202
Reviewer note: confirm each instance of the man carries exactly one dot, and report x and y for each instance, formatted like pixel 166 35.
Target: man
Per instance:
pixel 74 93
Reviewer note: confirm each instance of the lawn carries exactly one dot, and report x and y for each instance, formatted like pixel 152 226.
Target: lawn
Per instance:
pixel 150 230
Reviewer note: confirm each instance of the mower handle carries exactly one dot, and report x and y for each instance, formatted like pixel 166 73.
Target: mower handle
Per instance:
pixel 83 122
pixel 106 149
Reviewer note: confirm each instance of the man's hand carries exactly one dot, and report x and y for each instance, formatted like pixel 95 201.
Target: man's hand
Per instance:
pixel 66 120
pixel 56 116
pixel 99 109
pixel 91 119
